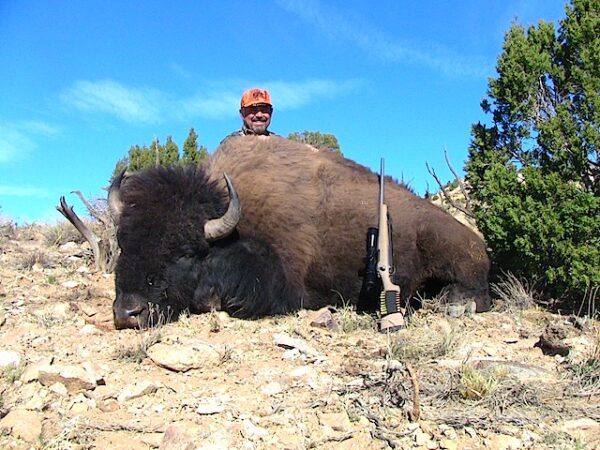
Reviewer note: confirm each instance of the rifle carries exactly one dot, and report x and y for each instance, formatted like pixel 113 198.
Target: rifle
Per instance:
pixel 377 281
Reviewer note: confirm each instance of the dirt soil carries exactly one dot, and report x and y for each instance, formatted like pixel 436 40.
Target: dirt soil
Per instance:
pixel 325 380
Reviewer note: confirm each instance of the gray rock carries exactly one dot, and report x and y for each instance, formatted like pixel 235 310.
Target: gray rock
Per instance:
pixel 210 406
pixel 181 355
pixel 137 390
pixel 524 372
pixel 286 341
pixel 75 378
pixel 177 437
pixel 455 310
pixel 323 318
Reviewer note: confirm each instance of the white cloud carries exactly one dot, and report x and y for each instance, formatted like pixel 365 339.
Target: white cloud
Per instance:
pixel 223 100
pixel 24 191
pixel 212 104
pixel 292 95
pixel 376 43
pixel 134 105
pixel 214 100
pixel 17 139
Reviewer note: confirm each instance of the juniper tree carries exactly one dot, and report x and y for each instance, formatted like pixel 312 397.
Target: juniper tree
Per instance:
pixel 322 141
pixel 192 154
pixel 534 169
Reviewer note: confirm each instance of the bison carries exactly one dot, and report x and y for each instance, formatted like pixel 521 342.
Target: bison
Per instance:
pixel 284 229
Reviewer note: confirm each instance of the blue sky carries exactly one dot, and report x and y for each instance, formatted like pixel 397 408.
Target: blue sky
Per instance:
pixel 83 81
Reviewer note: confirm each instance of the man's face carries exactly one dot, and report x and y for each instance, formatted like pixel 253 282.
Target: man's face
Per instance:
pixel 257 117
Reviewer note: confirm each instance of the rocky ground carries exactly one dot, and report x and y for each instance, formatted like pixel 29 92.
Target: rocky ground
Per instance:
pixel 508 379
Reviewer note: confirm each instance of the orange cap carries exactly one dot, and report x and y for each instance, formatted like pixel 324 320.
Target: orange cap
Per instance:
pixel 254 97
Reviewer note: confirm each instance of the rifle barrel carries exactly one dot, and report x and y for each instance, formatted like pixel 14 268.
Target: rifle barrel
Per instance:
pixel 381 176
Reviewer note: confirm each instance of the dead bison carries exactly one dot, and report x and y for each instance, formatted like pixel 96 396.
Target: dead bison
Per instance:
pixel 298 241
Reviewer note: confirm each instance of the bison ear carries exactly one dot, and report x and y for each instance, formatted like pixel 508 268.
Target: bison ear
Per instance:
pixel 115 203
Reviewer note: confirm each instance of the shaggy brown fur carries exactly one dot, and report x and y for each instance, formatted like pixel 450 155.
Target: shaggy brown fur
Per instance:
pixel 314 207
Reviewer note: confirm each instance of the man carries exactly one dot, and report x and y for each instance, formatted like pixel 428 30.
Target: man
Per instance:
pixel 256 110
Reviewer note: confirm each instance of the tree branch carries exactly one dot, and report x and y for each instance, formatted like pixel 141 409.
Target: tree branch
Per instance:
pixel 452 203
pixel 105 250
pixel 461 184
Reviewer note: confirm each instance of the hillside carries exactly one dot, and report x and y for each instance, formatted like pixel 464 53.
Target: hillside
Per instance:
pixel 324 380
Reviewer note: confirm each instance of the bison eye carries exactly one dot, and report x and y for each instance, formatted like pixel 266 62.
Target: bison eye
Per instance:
pixel 151 280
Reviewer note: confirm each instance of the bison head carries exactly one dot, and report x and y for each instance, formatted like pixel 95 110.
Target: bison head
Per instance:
pixel 167 219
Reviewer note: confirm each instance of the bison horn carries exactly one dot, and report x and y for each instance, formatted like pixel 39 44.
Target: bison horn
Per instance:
pixel 115 203
pixel 223 226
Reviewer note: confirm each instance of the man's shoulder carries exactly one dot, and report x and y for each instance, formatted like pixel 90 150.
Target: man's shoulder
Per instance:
pixel 243 132
pixel 235 133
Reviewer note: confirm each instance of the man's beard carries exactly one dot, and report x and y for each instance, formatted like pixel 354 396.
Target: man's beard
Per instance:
pixel 259 127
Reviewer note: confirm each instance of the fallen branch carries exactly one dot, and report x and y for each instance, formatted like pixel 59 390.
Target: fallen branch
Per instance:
pixel 415 414
pixel 104 249
pixel 130 427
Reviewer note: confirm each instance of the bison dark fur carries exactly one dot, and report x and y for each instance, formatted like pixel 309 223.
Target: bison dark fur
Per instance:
pixel 299 243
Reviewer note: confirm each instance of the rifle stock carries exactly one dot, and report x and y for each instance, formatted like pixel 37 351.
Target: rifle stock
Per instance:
pixel 390 294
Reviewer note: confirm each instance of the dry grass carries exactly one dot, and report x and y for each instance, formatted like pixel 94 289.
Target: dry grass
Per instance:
pixel 424 339
pixel 8 230
pixel 12 372
pixel 475 384
pixel 138 351
pixel 47 320
pixel 61 233
pixel 585 375
pixel 39 257
pixel 73 436
pixel 146 338
pixel 514 294
pixel 350 321
pixel 214 322
pixel 590 305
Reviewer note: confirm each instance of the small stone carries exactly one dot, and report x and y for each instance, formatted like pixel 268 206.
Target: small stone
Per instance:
pixel 581 428
pixel 35 403
pixel 79 408
pixel 301 371
pixel 470 308
pixel 88 310
pixel 455 311
pixel 61 311
pixel 59 388
pixel 249 430
pixel 448 444
pixel 272 388
pixel 89 330
pixel 137 390
pixel 471 432
pixel 210 406
pixel 9 358
pixel 421 438
pixel 324 319
pixel 502 442
pixel 178 437
pixel 22 424
pixel 286 341
pixel 71 284
pixel 337 421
